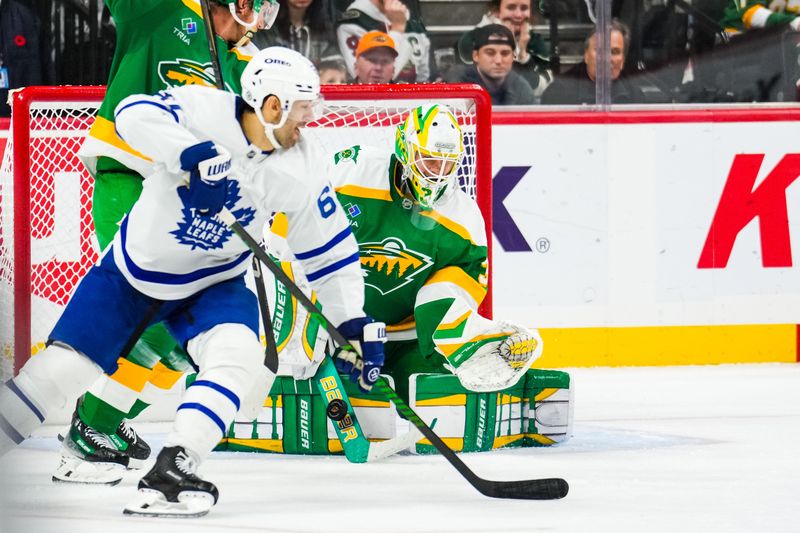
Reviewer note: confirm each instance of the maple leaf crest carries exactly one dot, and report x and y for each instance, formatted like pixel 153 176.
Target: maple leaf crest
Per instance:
pixel 209 233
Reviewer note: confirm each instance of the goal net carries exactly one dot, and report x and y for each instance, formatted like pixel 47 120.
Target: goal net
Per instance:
pixel 47 238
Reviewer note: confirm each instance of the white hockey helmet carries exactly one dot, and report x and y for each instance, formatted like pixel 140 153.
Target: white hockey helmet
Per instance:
pixel 289 76
pixel 429 144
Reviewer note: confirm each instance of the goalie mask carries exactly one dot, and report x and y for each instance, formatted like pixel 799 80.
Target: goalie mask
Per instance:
pixel 290 77
pixel 429 144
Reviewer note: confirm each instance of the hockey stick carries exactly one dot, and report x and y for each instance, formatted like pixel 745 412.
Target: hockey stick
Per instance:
pixel 271 351
pixel 211 39
pixel 532 489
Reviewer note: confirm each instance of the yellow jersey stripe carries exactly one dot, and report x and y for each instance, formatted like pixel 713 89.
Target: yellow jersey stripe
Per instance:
pixel 194 6
pixel 457 276
pixel 365 192
pixel 450 224
pixel 103 130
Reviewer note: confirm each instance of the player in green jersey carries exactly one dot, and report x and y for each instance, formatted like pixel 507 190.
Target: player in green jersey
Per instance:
pixel 160 44
pixel 423 251
pixel 744 15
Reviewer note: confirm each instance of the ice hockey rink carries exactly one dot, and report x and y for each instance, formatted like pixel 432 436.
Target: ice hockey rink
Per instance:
pixel 693 448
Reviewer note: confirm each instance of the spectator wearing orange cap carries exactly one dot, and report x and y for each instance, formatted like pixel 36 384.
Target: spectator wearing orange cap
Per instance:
pixel 393 17
pixel 375 58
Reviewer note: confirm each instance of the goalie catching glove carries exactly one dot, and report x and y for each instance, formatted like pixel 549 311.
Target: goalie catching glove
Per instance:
pixel 367 337
pixel 209 167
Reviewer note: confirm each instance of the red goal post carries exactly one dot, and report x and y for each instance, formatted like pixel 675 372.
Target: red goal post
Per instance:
pixel 47 238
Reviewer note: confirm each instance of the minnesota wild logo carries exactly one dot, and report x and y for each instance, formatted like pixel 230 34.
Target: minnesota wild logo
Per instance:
pixel 348 154
pixel 390 264
pixel 186 72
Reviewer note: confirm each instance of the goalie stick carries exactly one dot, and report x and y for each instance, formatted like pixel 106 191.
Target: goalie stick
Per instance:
pixel 532 489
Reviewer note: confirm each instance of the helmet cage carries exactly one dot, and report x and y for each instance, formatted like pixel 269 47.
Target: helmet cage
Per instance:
pixel 430 146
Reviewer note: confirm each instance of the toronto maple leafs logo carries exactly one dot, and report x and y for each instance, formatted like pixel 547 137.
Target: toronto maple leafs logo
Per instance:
pixel 206 232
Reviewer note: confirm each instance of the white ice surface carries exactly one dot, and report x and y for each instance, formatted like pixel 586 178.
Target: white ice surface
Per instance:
pixel 705 448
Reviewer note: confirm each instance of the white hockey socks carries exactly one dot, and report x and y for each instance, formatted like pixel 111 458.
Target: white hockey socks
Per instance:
pixel 47 381
pixel 230 359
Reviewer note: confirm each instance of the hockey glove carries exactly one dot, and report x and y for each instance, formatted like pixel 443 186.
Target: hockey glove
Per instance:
pixel 369 336
pixel 209 167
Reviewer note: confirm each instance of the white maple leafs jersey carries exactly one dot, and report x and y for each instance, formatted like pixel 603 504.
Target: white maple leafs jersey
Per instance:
pixel 168 251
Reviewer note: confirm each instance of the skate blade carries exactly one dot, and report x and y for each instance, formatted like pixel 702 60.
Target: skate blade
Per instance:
pixel 75 470
pixel 136 464
pixel 152 503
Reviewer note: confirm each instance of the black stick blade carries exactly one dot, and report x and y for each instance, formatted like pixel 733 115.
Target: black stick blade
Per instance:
pixel 531 489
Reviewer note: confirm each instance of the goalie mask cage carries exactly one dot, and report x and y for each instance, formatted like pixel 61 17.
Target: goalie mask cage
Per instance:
pixel 47 240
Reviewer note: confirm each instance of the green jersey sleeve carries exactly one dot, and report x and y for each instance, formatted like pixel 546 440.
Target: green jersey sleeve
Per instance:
pixel 743 15
pixel 457 285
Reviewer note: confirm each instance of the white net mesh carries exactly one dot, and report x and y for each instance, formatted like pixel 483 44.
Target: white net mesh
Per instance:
pixel 61 236
pixel 373 123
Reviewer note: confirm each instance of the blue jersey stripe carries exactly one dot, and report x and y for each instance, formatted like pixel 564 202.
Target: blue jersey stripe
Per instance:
pixel 145 102
pixel 206 411
pixel 333 267
pixel 342 235
pixel 166 278
pixel 168 109
pixel 229 394
pixel 27 401
pixel 9 430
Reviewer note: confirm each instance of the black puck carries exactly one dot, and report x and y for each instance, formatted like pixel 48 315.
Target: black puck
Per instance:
pixel 336 410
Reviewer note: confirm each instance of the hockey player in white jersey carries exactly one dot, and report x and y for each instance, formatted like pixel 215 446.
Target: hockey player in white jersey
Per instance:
pixel 173 260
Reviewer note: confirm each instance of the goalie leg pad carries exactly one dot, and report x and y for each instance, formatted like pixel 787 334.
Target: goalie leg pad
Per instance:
pixel 549 408
pixel 536 411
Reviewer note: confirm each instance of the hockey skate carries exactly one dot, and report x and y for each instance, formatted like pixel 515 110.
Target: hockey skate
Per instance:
pixel 88 456
pixel 126 440
pixel 171 489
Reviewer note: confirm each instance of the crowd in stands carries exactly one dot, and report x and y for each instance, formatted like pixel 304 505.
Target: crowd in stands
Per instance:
pixel 386 41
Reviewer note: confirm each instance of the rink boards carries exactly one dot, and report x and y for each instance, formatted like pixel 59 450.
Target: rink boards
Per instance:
pixel 647 238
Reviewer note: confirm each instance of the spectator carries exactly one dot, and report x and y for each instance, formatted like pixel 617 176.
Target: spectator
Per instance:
pixel 303 26
pixel 492 56
pixel 577 85
pixel 532 55
pixel 743 15
pixel 394 18
pixel 24 51
pixel 375 58
pixel 332 72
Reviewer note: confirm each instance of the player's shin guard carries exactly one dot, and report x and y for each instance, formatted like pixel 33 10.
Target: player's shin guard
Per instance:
pixel 231 362
pixel 46 382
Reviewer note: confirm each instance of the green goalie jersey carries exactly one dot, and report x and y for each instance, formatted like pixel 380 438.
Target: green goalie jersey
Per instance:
pixel 425 270
pixel 160 44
